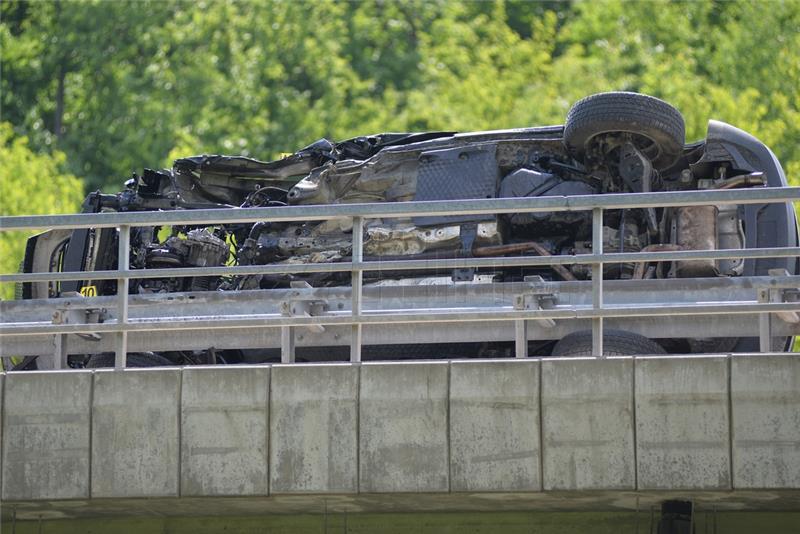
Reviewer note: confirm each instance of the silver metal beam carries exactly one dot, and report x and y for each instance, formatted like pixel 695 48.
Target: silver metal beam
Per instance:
pixel 415 316
pixel 356 284
pixel 521 338
pixel 389 297
pixel 123 256
pixel 764 334
pixel 61 351
pixel 410 264
pixel 406 209
pixel 288 344
pixel 597 282
pixel 478 332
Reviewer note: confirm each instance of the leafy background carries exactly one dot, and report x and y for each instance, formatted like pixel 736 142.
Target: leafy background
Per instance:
pixel 94 90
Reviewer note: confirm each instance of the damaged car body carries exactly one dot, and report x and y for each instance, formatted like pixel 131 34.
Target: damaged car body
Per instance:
pixel 610 143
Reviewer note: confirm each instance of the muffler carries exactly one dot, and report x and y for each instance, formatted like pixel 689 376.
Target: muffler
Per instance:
pixel 697 230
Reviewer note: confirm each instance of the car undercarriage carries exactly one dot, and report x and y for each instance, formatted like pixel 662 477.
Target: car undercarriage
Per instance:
pixel 610 143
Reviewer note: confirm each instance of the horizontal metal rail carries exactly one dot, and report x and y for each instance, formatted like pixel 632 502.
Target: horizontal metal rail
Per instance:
pixel 763 305
pixel 417 316
pixel 492 206
pixel 406 265
pixel 393 299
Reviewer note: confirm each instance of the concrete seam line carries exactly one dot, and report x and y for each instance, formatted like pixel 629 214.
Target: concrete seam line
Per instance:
pixel 91 431
pixel 539 370
pixel 448 428
pixel 268 437
pixel 635 443
pixel 358 426
pixel 729 369
pixel 180 431
pixel 95 377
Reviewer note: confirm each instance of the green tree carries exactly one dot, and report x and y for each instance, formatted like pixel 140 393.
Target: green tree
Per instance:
pixel 123 85
pixel 72 82
pixel 30 184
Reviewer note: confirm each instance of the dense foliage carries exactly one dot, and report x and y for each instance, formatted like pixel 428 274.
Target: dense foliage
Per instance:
pixel 25 171
pixel 116 86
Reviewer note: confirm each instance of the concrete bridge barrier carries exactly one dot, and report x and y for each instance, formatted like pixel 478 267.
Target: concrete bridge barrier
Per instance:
pixel 617 434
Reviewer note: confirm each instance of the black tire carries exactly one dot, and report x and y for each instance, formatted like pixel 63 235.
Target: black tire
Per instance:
pixel 394 352
pixel 615 343
pixel 656 128
pixel 712 345
pixel 138 359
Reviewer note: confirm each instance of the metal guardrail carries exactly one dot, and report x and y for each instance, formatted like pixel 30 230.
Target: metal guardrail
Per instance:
pixel 357 213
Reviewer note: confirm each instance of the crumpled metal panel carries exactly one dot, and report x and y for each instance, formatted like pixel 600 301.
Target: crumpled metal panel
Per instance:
pixel 403 239
pixel 457 174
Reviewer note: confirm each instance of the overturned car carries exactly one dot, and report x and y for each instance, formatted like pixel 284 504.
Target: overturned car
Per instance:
pixel 610 143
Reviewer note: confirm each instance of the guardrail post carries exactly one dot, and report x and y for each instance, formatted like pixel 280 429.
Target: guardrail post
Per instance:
pixel 123 261
pixel 60 352
pixel 357 279
pixel 597 282
pixel 764 336
pixel 521 338
pixel 287 344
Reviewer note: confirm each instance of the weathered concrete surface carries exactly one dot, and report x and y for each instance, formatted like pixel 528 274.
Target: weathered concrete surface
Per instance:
pixel 765 399
pixel 494 426
pixel 414 429
pixel 314 429
pixel 135 449
pixel 682 423
pixel 550 501
pixel 472 522
pixel 587 424
pixel 224 431
pixel 46 435
pixel 403 427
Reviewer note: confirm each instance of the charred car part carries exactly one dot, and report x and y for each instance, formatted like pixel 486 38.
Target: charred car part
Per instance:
pixel 611 143
pixel 198 248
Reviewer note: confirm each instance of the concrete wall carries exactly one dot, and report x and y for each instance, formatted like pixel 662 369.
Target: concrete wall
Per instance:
pixel 587 420
pixel 448 428
pixel 314 429
pixel 494 426
pixel 683 424
pixel 224 433
pixel 403 426
pixel 46 438
pixel 135 433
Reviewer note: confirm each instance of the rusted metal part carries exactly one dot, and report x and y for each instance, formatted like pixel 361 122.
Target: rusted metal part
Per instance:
pixel 730 235
pixel 641 268
pixel 560 269
pixel 404 239
pixel 744 180
pixel 501 250
pixel 697 230
pixel 613 240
